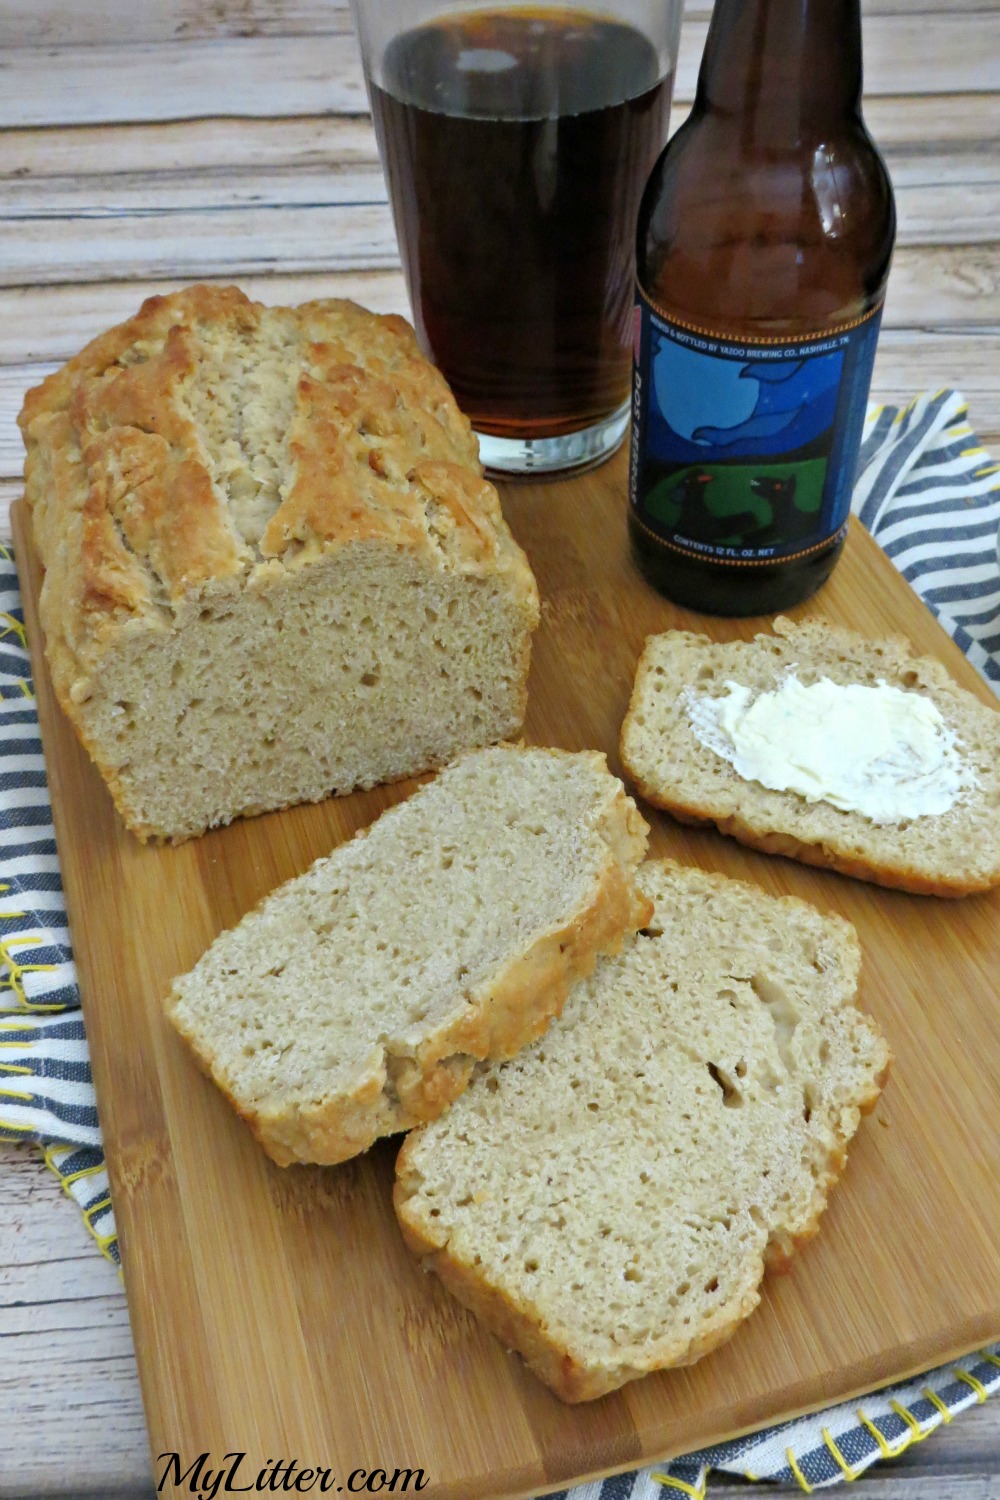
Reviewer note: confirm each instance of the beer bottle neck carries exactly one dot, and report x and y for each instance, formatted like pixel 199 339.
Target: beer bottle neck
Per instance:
pixel 792 66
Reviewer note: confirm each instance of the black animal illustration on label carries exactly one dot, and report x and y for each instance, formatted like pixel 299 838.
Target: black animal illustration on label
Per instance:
pixel 740 505
pixel 696 519
pixel 786 521
pixel 778 491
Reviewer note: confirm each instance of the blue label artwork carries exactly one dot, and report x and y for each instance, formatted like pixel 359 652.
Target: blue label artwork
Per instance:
pixel 744 450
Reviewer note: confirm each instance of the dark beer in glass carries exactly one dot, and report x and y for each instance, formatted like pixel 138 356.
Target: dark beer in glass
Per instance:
pixel 516 142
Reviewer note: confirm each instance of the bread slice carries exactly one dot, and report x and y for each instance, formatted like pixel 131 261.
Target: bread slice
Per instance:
pixel 951 854
pixel 273 568
pixel 607 1202
pixel 357 998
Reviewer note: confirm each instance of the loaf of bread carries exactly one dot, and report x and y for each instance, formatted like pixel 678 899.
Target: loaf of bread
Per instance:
pixel 951 853
pixel 607 1202
pixel 355 1000
pixel 273 569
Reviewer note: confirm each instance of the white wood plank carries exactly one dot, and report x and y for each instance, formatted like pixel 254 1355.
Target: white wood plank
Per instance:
pixel 949 287
pixel 197 243
pixel 922 123
pixel 953 189
pixel 40 324
pixel 189 147
pixel 943 213
pixel 909 130
pixel 905 53
pixel 911 359
pixel 346 225
pixel 945 286
pixel 914 51
pixel 69 1392
pixel 309 75
pixel 139 192
pixel 245 76
pixel 50 22
pixel 951 138
pixel 10 490
pixel 145 1492
pixel 33 23
pixel 14 381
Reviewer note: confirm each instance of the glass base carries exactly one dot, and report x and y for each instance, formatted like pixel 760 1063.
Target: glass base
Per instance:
pixel 555 455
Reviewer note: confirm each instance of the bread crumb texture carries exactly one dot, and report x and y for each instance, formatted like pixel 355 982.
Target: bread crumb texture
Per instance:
pixel 953 853
pixel 356 999
pixel 273 569
pixel 608 1201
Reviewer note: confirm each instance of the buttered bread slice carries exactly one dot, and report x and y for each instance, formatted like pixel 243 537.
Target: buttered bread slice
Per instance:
pixel 816 743
pixel 607 1202
pixel 273 568
pixel 356 1000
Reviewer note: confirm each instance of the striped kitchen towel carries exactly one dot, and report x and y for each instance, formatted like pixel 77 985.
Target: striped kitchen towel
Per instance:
pixel 46 1092
pixel 931 497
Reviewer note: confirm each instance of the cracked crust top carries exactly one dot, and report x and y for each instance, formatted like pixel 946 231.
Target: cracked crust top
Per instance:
pixel 210 440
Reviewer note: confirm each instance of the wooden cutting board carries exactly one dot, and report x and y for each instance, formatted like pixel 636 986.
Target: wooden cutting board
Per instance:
pixel 276 1312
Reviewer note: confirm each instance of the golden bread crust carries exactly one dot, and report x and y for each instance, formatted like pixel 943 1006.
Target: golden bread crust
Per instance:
pixel 376 448
pixel 206 452
pixel 518 1325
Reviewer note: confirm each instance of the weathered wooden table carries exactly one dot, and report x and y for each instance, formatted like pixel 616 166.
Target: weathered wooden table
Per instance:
pixel 152 142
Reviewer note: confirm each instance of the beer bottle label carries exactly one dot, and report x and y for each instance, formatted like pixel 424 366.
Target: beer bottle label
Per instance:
pixel 746 450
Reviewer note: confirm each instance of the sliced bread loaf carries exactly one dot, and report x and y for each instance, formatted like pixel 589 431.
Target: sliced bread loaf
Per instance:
pixel 356 999
pixel 950 853
pixel 607 1202
pixel 273 568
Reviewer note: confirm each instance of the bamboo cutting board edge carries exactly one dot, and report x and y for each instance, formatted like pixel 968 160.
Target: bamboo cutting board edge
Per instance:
pixel 55 728
pixel 864 1384
pixel 861 1387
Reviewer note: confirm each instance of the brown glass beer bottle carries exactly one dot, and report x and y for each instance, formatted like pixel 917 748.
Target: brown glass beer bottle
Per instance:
pixel 764 241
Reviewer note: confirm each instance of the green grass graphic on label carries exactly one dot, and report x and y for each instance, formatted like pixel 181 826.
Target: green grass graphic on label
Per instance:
pixel 757 504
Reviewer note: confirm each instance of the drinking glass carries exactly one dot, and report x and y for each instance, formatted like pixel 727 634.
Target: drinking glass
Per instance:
pixel 516 142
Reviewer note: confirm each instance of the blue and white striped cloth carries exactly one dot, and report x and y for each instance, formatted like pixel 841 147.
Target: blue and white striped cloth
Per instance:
pixel 931 497
pixel 46 1092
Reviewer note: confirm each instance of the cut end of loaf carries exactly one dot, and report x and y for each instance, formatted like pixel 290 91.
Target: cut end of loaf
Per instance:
pixel 355 1001
pixel 607 1202
pixel 364 668
pixel 955 853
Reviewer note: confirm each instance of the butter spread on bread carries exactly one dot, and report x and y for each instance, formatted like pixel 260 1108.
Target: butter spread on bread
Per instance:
pixel 876 750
